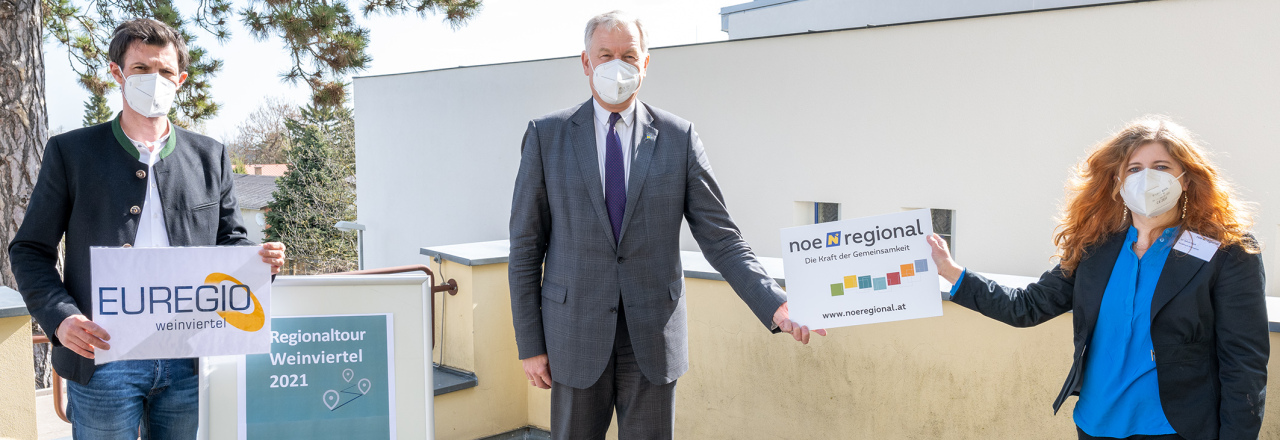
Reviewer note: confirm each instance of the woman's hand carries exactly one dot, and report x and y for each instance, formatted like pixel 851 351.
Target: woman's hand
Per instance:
pixel 942 259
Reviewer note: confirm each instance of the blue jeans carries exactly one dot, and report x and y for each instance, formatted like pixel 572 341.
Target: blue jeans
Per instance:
pixel 158 398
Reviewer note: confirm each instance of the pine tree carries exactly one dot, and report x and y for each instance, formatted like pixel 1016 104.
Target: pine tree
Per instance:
pixel 322 38
pixel 318 191
pixel 96 110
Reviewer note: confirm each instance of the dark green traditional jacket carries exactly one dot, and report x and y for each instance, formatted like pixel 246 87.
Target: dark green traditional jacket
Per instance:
pixel 91 190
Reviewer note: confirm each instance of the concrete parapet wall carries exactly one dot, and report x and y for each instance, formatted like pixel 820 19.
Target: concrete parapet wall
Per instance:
pixel 17 379
pixel 959 376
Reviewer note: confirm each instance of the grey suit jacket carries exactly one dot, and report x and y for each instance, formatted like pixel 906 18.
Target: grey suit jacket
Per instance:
pixel 89 180
pixel 568 276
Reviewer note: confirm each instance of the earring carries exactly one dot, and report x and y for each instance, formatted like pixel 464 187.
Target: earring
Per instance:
pixel 1185 201
pixel 1124 214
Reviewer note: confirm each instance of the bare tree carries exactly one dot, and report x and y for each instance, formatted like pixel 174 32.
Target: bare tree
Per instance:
pixel 262 138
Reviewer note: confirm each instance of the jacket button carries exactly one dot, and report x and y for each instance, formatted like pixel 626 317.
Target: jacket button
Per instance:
pixel 620 260
pixel 613 310
pixel 135 210
pixel 127 245
pixel 141 174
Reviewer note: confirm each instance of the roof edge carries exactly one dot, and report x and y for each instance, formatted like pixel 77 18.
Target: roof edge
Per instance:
pixel 867 27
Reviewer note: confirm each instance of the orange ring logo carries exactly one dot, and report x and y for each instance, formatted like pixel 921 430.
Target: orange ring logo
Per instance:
pixel 250 322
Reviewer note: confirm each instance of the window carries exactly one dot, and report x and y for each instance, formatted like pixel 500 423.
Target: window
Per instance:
pixel 944 224
pixel 812 213
pixel 825 212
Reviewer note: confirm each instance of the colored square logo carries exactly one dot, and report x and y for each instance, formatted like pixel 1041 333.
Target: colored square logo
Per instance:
pixel 922 265
pixel 894 278
pixel 880 283
pixel 833 239
pixel 851 282
pixel 864 282
pixel 907 270
pixel 837 289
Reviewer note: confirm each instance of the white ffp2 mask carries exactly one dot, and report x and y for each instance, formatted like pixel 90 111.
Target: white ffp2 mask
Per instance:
pixel 615 81
pixel 1151 192
pixel 149 94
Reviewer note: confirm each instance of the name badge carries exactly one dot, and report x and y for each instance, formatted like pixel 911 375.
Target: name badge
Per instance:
pixel 1197 245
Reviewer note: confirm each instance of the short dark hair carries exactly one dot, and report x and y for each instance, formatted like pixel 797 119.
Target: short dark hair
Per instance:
pixel 150 32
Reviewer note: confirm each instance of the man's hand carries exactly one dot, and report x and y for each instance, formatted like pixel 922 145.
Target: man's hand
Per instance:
pixel 538 370
pixel 782 318
pixel 273 253
pixel 82 335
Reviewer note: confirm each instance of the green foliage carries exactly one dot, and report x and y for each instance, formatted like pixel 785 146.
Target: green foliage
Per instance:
pixel 317 192
pixel 86 33
pixel 321 36
pixel 96 110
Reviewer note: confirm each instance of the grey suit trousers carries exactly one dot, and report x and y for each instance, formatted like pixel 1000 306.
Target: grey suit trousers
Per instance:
pixel 645 410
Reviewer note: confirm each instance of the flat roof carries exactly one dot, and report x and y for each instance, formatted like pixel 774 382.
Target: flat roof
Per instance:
pixel 708 43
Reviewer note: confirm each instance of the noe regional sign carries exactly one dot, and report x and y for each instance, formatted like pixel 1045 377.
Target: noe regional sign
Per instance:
pixel 867 238
pixel 181 302
pixel 890 277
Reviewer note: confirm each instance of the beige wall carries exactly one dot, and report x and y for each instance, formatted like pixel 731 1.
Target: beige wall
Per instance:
pixel 17 380
pixel 477 336
pixel 959 376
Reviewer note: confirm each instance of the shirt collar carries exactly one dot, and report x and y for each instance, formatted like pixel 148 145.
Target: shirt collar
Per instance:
pixel 142 146
pixel 1167 236
pixel 602 115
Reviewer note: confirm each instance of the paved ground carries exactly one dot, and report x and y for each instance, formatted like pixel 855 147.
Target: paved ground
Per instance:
pixel 48 425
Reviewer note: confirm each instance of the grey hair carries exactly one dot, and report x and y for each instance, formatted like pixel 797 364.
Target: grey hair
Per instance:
pixel 615 20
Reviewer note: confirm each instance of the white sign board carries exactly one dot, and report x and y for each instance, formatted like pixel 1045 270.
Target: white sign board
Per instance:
pixel 861 271
pixel 181 302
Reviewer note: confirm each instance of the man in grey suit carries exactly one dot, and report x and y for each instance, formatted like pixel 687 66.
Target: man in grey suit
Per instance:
pixel 137 181
pixel 597 294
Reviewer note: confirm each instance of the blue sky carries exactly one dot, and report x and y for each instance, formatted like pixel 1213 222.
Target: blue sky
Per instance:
pixel 505 30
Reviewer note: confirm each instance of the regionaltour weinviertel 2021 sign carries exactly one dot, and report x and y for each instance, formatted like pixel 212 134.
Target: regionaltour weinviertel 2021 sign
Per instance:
pixel 326 377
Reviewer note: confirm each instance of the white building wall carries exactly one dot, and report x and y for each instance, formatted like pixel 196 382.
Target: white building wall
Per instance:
pixel 249 218
pixel 984 116
pixel 774 17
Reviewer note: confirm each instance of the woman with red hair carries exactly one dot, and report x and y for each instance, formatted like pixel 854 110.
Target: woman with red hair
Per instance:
pixel 1165 285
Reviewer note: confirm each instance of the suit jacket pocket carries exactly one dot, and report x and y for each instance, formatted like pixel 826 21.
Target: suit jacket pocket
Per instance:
pixel 206 205
pixel 555 293
pixel 677 289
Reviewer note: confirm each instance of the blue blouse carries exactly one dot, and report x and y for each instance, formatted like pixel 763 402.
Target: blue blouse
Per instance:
pixel 1120 394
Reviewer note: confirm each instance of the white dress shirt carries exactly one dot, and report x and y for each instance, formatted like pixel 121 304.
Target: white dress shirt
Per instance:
pixel 152 231
pixel 625 128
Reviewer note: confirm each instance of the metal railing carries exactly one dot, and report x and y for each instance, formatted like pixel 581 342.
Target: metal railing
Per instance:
pixel 58 397
pixel 450 286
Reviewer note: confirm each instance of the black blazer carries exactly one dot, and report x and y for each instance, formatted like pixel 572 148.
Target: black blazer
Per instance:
pixel 1208 329
pixel 87 186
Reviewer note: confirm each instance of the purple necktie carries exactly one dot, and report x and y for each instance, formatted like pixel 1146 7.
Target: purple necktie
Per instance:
pixel 615 180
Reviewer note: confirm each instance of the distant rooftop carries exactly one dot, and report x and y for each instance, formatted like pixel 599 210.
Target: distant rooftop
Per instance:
pixel 271 169
pixel 765 18
pixel 254 192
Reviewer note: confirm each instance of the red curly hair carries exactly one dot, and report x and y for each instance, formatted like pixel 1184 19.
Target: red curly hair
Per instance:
pixel 1095 210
